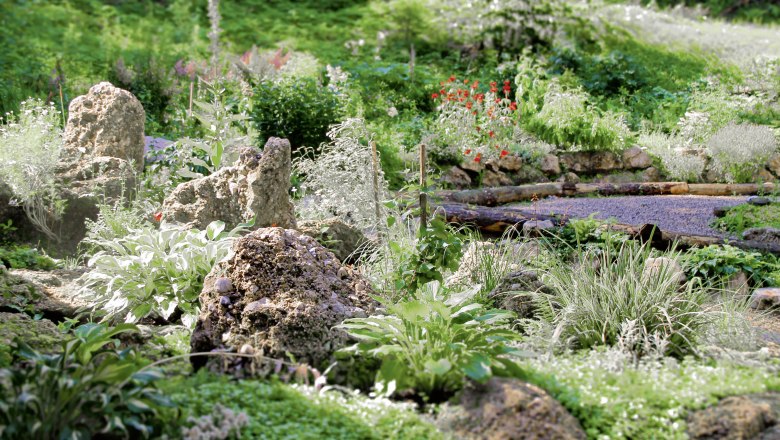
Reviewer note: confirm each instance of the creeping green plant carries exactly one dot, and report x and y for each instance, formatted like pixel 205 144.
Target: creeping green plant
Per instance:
pixel 90 388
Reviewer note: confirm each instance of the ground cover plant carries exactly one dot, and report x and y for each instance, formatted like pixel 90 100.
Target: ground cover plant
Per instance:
pixel 380 99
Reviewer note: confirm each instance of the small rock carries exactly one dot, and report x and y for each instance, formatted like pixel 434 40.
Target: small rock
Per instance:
pixel 457 178
pixel 737 417
pixel 765 234
pixel 738 283
pixel 637 158
pixel 759 200
pixel 766 298
pixel 537 228
pixel 651 174
pixel 569 178
pixel 345 241
pixel 764 175
pixel 473 166
pixel 495 178
pixel 550 165
pixel 223 285
pixel 774 164
pixel 510 162
pixel 507 409
pixel 515 292
pixel 224 301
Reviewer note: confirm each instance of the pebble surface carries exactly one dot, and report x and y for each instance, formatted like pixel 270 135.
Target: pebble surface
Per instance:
pixel 682 214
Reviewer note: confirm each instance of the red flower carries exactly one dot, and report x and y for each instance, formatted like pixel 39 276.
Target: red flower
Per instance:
pixel 478 158
pixel 507 89
pixel 474 85
pixel 443 92
pixel 465 81
pixel 504 153
pixel 506 83
pixel 513 106
pixel 452 78
pixel 158 216
pixel 474 113
pixel 435 96
pixel 479 128
pixel 469 104
pixel 498 100
pixel 491 134
pixel 467 152
pixel 493 83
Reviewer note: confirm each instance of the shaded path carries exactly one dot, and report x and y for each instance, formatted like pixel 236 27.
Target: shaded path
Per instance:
pixel 681 214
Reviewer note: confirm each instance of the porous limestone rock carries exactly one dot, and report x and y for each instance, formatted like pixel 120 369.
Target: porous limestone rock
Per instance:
pixel 636 158
pixel 106 122
pixel 345 241
pixel 591 162
pixel 537 228
pixel 766 298
pixel 256 187
pixel 515 292
pixel 492 178
pixel 457 178
pixel 281 292
pixel 550 165
pixel 505 408
pixel 764 234
pixel 753 417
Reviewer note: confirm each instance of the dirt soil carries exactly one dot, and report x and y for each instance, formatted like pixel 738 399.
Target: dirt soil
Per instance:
pixel 682 214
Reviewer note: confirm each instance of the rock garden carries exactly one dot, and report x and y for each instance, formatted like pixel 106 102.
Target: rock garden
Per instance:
pixel 395 219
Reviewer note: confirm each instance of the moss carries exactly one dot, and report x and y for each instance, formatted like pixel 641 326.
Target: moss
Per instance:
pixel 40 334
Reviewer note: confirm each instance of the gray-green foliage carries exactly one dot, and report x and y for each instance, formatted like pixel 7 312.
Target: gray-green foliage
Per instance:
pixel 613 297
pixel 154 272
pixel 30 145
pixel 431 344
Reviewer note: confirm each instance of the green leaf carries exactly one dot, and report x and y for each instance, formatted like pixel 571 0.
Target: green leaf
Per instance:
pixel 439 367
pixel 478 367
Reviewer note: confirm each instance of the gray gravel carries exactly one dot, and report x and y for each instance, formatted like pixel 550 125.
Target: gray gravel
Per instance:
pixel 681 214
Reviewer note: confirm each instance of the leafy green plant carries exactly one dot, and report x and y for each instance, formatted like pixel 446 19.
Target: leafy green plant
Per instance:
pixel 431 344
pixel 300 110
pixel 713 262
pixel 155 272
pixel 438 248
pixel 278 410
pixel 745 216
pixel 90 388
pixel 613 295
pixel 7 231
pixel 22 257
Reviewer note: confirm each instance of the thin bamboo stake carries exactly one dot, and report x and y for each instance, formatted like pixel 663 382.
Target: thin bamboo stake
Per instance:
pixel 375 165
pixel 62 104
pixel 189 113
pixel 423 195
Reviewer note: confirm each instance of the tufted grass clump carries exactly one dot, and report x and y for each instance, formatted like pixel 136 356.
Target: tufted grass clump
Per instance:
pixel 613 297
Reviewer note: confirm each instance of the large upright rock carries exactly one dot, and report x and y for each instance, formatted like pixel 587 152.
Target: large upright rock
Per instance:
pixel 282 292
pixel 256 187
pixel 106 122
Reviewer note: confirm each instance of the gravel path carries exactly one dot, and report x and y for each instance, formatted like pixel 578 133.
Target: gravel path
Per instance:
pixel 681 214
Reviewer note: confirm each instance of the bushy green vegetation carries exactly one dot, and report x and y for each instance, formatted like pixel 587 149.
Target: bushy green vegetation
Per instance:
pixel 721 262
pixel 276 410
pixel 746 216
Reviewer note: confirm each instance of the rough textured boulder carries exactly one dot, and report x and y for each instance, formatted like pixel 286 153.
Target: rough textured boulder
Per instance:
pixel 591 162
pixel 766 298
pixel 258 186
pixel 282 292
pixel 636 158
pixel 537 228
pixel 40 334
pixel 343 240
pixel 774 164
pixel 53 293
pixel 550 165
pixel 750 417
pixel 768 235
pixel 495 178
pixel 106 122
pixel 457 178
pixel 515 292
pixel 507 409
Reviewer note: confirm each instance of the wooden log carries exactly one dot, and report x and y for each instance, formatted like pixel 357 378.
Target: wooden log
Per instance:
pixel 728 189
pixel 502 194
pixel 632 188
pixel 486 219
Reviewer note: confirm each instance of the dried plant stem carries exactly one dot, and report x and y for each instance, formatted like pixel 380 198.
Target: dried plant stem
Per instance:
pixel 62 104
pixel 423 195
pixel 375 166
pixel 192 87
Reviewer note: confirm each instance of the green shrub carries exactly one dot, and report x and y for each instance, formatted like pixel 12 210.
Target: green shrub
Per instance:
pixel 300 110
pixel 611 297
pixel 745 216
pixel 431 344
pixel 90 388
pixel 437 249
pixel 719 262
pixel 155 272
pixel 21 257
pixel 280 411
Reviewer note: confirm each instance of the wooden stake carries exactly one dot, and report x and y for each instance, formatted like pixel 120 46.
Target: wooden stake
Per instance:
pixel 412 56
pixel 375 164
pixel 423 195
pixel 192 85
pixel 62 104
